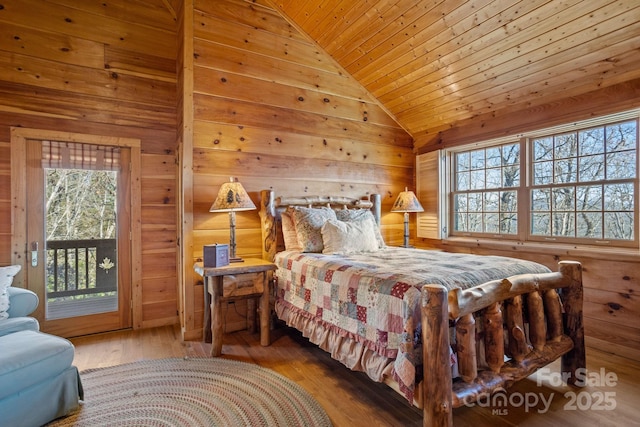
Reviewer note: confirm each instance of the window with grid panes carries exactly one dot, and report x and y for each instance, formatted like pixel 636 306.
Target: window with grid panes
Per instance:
pixel 578 186
pixel 485 193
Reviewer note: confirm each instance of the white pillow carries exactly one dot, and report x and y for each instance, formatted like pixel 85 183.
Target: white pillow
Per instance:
pixel 341 237
pixel 6 278
pixel 348 215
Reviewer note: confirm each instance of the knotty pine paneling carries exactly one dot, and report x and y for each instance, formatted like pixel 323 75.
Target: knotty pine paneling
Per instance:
pixel 159 166
pixel 158 191
pixel 133 30
pixel 229 137
pixel 100 68
pixel 126 62
pixel 58 47
pixel 158 239
pixel 153 13
pixel 160 290
pixel 158 265
pixel 348 31
pixel 82 80
pixel 244 37
pixel 267 20
pixel 153 140
pixel 255 90
pixel 436 64
pixel 273 110
pixel 617 70
pixel 228 163
pixel 623 337
pixel 83 108
pixel 5 203
pixel 225 110
pixel 430 29
pixel 253 64
pixel 599 102
pixel 261 115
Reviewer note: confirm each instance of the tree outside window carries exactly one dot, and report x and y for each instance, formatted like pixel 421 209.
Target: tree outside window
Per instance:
pixel 581 187
pixel 583 183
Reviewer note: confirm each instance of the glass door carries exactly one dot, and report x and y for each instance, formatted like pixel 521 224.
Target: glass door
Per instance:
pixel 78 231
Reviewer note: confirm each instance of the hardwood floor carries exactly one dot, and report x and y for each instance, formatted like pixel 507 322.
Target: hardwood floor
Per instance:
pixel 351 399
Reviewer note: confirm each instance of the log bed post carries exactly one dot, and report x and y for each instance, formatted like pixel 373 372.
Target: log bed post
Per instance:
pixel 494 337
pixel 268 220
pixel 518 347
pixel 376 209
pixel 438 400
pixel 466 347
pixel 572 296
pixel 553 311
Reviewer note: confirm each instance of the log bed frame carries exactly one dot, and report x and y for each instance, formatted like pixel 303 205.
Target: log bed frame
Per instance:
pixel 532 319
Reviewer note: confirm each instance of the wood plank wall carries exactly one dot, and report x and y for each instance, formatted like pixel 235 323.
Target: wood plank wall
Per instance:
pixel 103 68
pixel 273 110
pixel 611 281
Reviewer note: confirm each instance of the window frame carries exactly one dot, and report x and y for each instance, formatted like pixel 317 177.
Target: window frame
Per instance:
pixel 526 185
pixel 452 191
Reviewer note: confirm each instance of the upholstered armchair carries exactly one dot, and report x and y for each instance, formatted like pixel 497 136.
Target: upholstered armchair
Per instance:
pixel 22 303
pixel 38 382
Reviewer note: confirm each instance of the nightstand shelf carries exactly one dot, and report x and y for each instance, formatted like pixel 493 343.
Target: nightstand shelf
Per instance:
pixel 256 284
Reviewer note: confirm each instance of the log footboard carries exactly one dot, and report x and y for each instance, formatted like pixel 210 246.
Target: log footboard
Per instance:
pixel 526 322
pixel 518 324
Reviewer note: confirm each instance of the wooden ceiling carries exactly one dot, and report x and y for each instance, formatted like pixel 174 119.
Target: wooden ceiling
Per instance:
pixel 434 63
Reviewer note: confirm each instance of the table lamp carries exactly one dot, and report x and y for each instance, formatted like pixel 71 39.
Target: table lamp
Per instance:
pixel 407 202
pixel 232 197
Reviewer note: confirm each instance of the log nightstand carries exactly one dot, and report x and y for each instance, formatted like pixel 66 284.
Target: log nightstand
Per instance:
pixel 215 295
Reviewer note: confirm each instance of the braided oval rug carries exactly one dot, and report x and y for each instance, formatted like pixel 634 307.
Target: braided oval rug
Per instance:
pixel 193 392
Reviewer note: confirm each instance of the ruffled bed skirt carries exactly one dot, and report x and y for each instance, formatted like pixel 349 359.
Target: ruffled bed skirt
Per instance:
pixel 347 351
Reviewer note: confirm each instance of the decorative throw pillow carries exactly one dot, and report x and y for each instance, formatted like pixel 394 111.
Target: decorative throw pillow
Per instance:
pixel 289 232
pixel 348 215
pixel 308 222
pixel 6 278
pixel 341 237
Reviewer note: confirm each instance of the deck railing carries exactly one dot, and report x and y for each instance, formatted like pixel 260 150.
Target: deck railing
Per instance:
pixel 81 267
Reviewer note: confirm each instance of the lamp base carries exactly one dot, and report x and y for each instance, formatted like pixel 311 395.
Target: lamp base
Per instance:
pixel 236 259
pixel 406 231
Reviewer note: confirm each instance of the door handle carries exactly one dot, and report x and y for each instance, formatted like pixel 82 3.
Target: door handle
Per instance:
pixel 34 254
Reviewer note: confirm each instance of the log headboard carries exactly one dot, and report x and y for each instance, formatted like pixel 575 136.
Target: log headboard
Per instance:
pixel 271 208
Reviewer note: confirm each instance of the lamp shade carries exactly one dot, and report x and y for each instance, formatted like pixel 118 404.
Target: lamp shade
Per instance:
pixel 407 202
pixel 232 197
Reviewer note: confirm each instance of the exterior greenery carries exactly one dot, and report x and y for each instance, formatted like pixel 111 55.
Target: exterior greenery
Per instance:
pixel 80 204
pixel 80 229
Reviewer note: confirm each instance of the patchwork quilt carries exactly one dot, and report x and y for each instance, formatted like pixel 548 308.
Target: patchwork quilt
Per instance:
pixel 374 298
